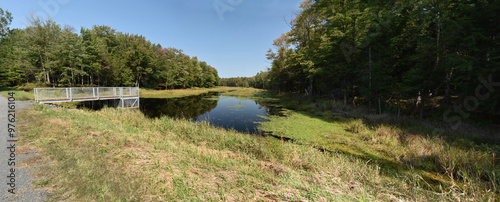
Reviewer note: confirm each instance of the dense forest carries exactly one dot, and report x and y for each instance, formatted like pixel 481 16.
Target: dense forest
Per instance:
pixel 54 55
pixel 402 55
pixel 237 82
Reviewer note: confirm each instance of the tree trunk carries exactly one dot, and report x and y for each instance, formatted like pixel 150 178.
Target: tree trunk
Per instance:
pixel 421 106
pixel 417 100
pixel 379 106
pixel 447 87
pixel 399 112
pixel 310 86
pixel 345 98
pixel 48 76
pixel 82 77
pixel 370 75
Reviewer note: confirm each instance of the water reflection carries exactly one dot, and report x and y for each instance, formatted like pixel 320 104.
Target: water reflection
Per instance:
pixel 218 110
pixel 239 114
pixel 185 107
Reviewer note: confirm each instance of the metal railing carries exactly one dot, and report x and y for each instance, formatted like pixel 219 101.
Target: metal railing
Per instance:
pixel 50 95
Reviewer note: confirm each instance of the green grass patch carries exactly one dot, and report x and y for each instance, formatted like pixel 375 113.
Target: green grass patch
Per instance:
pixel 335 135
pixel 244 92
pixel 20 95
pixel 42 182
pixel 400 151
pixel 118 154
pixel 175 93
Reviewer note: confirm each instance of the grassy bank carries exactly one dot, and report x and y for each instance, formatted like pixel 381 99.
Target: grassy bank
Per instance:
pixel 150 93
pixel 121 155
pixel 19 94
pixel 115 154
pixel 463 161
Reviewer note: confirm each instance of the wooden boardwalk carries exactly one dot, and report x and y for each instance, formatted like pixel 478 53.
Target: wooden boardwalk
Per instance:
pixel 129 96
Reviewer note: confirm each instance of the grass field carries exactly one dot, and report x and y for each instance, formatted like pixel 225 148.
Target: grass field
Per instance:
pixel 116 154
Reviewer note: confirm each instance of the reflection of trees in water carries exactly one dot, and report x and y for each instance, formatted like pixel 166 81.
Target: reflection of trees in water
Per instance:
pixel 98 105
pixel 189 107
pixel 270 107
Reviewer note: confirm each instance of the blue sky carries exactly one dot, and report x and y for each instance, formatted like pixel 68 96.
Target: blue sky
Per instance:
pixel 231 35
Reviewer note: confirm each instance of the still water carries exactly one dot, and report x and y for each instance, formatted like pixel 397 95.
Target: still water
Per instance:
pixel 228 112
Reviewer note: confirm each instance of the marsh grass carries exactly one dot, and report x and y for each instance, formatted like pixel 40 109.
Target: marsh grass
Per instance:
pixel 175 93
pixel 117 154
pixel 447 163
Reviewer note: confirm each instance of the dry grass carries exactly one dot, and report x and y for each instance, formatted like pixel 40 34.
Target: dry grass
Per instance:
pixel 149 93
pixel 242 92
pixel 112 155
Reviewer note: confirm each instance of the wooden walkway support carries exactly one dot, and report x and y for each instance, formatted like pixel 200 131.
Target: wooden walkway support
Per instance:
pixel 129 96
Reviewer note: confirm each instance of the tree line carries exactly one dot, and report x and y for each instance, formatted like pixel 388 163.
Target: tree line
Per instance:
pixel 410 55
pixel 258 81
pixel 47 53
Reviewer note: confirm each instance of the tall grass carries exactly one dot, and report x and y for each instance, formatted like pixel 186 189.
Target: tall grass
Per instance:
pixel 115 154
pixel 438 163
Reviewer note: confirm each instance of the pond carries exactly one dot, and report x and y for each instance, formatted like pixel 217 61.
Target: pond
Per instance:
pixel 236 113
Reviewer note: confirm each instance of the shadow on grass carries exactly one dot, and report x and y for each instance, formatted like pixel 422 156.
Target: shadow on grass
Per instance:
pixel 465 154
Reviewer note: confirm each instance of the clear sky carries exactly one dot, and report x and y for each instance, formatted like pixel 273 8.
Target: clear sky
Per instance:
pixel 231 35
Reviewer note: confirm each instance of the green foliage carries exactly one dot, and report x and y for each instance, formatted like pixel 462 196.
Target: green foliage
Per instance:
pixel 431 52
pixel 5 20
pixel 20 95
pixel 45 52
pixel 236 82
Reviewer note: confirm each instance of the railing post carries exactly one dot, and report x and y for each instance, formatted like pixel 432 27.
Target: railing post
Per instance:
pixel 70 95
pixel 93 92
pixel 67 95
pixel 98 93
pixel 121 97
pixel 36 94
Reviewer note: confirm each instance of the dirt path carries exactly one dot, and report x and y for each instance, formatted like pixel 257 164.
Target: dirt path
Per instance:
pixel 23 175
